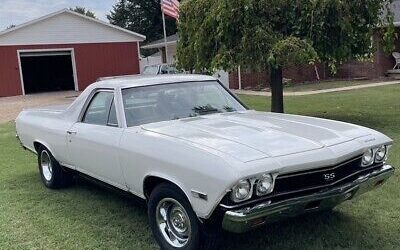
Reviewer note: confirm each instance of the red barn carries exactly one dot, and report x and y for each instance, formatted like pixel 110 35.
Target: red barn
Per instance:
pixel 64 51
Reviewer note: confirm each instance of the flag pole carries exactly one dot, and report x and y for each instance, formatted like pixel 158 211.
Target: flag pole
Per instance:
pixel 165 38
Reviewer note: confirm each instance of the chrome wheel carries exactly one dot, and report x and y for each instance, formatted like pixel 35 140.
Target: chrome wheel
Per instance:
pixel 45 164
pixel 173 222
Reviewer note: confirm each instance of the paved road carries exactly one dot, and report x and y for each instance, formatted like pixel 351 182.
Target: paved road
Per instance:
pixel 11 106
pixel 314 92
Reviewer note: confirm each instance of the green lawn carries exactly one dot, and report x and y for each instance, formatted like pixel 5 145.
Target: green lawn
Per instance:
pixel 298 87
pixel 87 216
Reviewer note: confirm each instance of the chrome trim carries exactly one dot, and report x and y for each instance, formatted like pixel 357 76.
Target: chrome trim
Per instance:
pixel 31 150
pixel 330 184
pixel 372 159
pixel 89 100
pixel 46 165
pixel 253 182
pixel 67 166
pixel 386 154
pixel 247 218
pixel 199 195
pixel 23 146
pixel 321 169
pixel 274 177
pixel 19 140
pixel 249 195
pixel 271 187
pixel 173 222
pixel 300 190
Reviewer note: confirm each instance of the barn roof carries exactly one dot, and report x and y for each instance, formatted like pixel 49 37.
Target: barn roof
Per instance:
pixel 66 27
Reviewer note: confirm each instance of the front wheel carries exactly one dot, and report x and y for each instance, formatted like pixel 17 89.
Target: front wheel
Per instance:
pixel 173 221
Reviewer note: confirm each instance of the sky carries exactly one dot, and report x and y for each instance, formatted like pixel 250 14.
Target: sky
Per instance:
pixel 20 11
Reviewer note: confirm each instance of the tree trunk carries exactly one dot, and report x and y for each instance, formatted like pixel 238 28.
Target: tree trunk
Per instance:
pixel 276 89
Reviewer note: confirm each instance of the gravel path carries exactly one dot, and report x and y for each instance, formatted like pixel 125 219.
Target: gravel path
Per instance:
pixel 11 106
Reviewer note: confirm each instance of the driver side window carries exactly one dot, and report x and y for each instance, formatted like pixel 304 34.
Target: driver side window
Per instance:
pixel 101 110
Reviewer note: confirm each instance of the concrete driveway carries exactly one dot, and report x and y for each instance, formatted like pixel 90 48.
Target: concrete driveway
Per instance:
pixel 314 92
pixel 11 106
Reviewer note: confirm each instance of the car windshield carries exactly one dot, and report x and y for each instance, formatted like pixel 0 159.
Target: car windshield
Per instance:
pixel 168 69
pixel 150 70
pixel 176 101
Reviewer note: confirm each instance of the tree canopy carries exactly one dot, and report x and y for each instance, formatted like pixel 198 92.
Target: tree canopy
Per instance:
pixel 143 17
pixel 84 11
pixel 271 34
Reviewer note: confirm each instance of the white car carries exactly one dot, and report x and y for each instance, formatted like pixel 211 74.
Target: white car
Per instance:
pixel 160 69
pixel 199 157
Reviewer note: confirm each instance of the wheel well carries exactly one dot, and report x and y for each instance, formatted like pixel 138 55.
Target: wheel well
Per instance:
pixel 151 182
pixel 37 145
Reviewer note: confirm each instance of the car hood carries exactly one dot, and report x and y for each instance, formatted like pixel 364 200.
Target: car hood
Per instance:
pixel 253 135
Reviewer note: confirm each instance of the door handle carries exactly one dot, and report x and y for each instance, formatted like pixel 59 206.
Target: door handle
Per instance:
pixel 71 132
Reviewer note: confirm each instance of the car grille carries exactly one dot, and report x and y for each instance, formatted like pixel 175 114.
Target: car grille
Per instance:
pixel 316 178
pixel 302 183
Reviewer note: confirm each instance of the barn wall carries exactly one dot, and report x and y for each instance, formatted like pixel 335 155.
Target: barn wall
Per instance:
pixel 103 60
pixel 92 61
pixel 9 72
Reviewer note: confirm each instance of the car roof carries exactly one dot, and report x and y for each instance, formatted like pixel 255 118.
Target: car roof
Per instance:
pixel 147 80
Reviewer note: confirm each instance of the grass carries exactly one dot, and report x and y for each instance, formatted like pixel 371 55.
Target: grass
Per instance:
pixel 299 87
pixel 87 216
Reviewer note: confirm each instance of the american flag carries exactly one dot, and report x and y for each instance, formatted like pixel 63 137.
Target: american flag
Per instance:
pixel 170 8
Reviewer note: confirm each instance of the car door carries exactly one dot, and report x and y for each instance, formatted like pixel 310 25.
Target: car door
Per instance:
pixel 93 142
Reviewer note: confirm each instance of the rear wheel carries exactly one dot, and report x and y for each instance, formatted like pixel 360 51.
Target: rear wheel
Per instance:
pixel 52 174
pixel 173 221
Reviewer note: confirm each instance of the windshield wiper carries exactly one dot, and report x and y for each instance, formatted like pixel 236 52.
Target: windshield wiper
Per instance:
pixel 206 109
pixel 229 109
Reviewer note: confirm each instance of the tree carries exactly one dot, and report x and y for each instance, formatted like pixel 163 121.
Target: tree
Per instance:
pixel 84 11
pixel 143 17
pixel 272 34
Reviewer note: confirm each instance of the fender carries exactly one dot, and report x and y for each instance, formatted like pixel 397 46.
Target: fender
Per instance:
pixel 44 144
pixel 167 178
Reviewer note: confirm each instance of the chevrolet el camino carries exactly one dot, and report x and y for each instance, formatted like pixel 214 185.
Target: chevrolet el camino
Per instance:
pixel 199 157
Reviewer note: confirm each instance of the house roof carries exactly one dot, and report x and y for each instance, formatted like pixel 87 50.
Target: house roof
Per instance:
pixel 75 27
pixel 161 43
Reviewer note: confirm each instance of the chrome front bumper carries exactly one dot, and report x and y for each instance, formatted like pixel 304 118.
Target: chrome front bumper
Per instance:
pixel 245 219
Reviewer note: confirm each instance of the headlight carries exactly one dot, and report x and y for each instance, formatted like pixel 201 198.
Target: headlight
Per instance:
pixel 368 158
pixel 241 191
pixel 264 185
pixel 380 154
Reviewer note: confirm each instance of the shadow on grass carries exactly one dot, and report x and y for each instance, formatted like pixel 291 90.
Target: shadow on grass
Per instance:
pixel 102 191
pixel 309 231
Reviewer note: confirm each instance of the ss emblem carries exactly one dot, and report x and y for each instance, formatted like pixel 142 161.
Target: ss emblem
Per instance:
pixel 329 177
